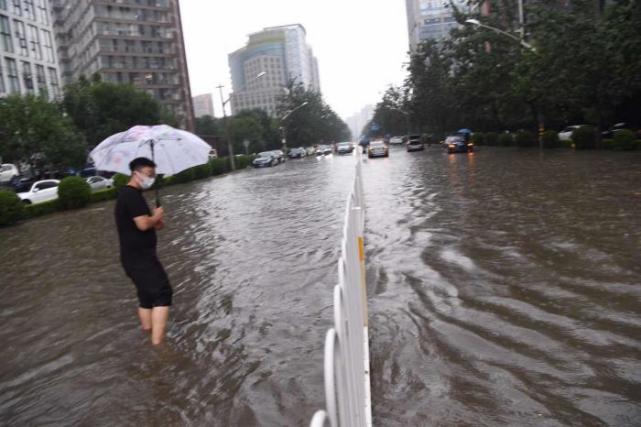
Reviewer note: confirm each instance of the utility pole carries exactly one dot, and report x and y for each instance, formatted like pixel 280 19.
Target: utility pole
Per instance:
pixel 230 148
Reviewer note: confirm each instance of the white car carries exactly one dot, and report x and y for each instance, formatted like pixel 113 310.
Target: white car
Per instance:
pixel 99 183
pixel 7 172
pixel 396 140
pixel 41 191
pixel 566 134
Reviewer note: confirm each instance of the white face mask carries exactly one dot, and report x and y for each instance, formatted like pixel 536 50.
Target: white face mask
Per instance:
pixel 146 182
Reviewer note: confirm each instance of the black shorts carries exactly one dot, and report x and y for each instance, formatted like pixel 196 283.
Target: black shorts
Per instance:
pixel 150 279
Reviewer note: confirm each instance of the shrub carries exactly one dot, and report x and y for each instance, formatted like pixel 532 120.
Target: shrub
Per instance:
pixel 39 209
pixel 243 161
pixel 491 139
pixel 478 138
pixel 120 180
pixel 551 139
pixel 219 166
pixel 184 176
pixel 202 171
pixel 102 195
pixel 505 139
pixel 74 192
pixel 584 138
pixel 524 138
pixel 624 140
pixel 11 207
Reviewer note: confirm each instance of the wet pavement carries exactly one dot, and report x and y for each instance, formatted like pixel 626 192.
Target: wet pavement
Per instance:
pixel 503 289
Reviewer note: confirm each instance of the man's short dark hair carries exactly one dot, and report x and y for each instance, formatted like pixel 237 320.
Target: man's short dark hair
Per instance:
pixel 139 163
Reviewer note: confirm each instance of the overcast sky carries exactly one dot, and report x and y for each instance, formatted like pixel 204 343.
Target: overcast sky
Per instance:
pixel 360 44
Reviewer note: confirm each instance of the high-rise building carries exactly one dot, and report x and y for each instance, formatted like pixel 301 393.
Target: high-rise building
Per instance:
pixel 127 41
pixel 277 55
pixel 203 105
pixel 28 59
pixel 358 121
pixel 430 20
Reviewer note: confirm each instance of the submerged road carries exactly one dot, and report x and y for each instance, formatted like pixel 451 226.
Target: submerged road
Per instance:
pixel 504 289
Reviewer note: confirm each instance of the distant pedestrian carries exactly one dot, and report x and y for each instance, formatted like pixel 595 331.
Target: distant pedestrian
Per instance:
pixel 137 227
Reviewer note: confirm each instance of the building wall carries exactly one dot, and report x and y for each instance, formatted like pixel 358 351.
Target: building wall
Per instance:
pixel 28 58
pixel 203 105
pixel 283 54
pixel 430 20
pixel 127 41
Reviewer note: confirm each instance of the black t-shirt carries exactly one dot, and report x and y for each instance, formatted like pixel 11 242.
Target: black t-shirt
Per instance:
pixel 133 242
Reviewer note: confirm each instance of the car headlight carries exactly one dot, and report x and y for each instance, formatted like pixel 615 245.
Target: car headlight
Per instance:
pixel 451 146
pixel 470 145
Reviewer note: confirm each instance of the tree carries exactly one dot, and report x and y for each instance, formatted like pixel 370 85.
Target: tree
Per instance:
pixel 391 114
pixel 244 128
pixel 208 126
pixel 32 127
pixel 314 123
pixel 100 109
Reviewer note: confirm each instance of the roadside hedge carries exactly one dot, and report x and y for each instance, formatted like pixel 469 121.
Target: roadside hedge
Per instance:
pixel 584 138
pixel 505 139
pixel 74 192
pixel 525 138
pixel 551 139
pixel 11 208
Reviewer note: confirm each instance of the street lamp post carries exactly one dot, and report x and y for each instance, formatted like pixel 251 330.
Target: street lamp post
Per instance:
pixel 283 125
pixel 224 102
pixel 523 43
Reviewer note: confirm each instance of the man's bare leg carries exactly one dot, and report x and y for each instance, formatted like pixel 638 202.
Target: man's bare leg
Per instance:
pixel 145 318
pixel 159 316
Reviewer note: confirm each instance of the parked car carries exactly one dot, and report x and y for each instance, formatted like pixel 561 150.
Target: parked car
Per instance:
pixel 458 144
pixel 297 153
pixel 265 159
pixel 414 143
pixel 396 140
pixel 609 134
pixel 566 133
pixel 213 154
pixel 344 148
pixel 278 155
pixel 99 183
pixel 7 172
pixel 323 150
pixel 41 191
pixel 377 149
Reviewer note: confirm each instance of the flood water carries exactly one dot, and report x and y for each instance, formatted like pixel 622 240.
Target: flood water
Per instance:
pixel 504 289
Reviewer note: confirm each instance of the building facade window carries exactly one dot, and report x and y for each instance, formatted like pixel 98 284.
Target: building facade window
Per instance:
pixel 27 77
pixel 5 35
pixel 3 89
pixel 17 7
pixel 41 80
pixel 48 44
pixel 3 4
pixel 34 37
pixel 29 9
pixel 43 13
pixel 53 80
pixel 21 36
pixel 12 74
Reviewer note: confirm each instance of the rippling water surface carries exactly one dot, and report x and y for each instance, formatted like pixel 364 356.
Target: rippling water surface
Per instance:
pixel 504 289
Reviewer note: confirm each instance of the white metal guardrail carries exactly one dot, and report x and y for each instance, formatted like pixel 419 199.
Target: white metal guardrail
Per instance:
pixel 347 384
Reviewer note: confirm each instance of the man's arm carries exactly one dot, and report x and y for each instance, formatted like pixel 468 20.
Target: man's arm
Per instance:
pixel 147 222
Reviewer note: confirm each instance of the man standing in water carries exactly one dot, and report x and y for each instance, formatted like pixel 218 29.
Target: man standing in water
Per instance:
pixel 137 227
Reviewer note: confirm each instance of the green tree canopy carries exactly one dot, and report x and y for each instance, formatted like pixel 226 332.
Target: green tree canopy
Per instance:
pixel 31 125
pixel 100 109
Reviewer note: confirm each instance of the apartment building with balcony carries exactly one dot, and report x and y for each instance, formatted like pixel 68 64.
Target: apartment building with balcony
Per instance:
pixel 28 58
pixel 139 42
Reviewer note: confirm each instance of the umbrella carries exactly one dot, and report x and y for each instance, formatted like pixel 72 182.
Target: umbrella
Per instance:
pixel 173 150
pixel 464 131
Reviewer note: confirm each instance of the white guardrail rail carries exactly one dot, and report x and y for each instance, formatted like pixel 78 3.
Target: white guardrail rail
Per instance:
pixel 346 371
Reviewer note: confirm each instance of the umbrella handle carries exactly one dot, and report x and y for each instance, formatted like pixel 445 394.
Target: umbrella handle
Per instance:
pixel 153 159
